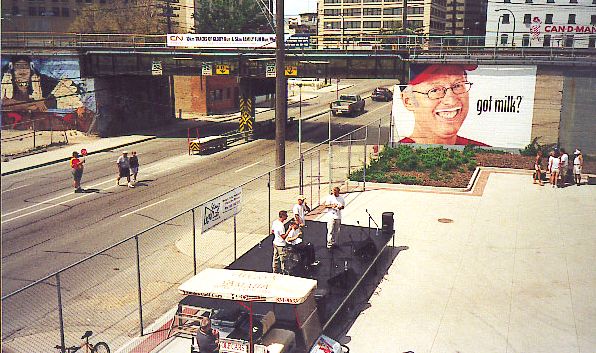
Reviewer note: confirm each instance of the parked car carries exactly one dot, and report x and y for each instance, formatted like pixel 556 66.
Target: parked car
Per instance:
pixel 348 104
pixel 382 94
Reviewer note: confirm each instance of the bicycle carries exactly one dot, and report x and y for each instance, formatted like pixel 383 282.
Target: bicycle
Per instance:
pixel 99 347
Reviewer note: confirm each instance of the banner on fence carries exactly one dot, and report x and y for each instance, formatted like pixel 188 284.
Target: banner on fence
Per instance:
pixel 221 208
pixel 465 104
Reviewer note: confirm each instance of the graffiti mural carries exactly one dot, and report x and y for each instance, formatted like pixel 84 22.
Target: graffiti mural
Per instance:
pixel 48 93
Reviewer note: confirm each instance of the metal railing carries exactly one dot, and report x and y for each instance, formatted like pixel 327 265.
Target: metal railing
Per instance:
pixel 123 292
pixel 345 43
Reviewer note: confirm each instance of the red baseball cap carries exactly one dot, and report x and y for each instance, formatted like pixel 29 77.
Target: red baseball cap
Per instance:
pixel 419 74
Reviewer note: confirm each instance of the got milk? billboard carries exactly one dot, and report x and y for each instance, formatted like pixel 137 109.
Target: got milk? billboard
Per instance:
pixel 465 104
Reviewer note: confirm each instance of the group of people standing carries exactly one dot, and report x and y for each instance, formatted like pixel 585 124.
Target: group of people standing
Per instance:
pixel 559 168
pixel 293 237
pixel 128 167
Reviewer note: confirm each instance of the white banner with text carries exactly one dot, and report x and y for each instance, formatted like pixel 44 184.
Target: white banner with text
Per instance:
pixel 221 208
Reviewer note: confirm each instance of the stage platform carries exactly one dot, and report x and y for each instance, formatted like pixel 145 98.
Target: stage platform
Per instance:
pixel 360 253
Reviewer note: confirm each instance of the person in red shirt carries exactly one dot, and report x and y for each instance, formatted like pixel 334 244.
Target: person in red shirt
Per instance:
pixel 77 171
pixel 439 99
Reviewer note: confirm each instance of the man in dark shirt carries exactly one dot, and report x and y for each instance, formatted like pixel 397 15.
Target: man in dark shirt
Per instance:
pixel 207 339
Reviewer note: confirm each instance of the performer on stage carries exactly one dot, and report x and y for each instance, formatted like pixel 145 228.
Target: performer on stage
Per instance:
pixel 305 250
pixel 300 210
pixel 333 206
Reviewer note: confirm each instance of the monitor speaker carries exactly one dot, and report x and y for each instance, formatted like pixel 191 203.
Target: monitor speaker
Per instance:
pixel 365 249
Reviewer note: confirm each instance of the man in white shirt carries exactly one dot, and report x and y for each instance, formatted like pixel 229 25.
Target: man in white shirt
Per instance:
pixel 300 210
pixel 564 167
pixel 333 206
pixel 279 242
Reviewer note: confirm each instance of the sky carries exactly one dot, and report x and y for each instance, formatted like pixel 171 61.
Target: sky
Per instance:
pixel 295 7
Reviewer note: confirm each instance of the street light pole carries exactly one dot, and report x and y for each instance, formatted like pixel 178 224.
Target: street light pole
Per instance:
pixel 300 138
pixel 513 16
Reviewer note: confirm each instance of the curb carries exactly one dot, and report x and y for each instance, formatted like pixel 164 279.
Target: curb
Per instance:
pixel 67 158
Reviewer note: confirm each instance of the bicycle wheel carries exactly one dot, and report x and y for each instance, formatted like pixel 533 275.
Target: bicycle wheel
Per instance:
pixel 101 347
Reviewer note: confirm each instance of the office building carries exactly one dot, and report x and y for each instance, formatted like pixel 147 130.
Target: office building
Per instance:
pixel 541 23
pixel 466 17
pixel 350 18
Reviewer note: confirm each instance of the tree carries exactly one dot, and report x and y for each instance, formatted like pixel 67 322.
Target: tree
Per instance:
pixel 136 16
pixel 230 16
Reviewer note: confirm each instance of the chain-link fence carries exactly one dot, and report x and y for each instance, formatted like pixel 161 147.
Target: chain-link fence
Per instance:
pixel 125 294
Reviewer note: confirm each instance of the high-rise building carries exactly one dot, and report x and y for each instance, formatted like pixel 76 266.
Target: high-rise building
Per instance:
pixel 57 16
pixel 541 23
pixel 466 17
pixel 348 18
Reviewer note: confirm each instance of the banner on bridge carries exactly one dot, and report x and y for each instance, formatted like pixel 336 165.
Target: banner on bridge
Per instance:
pixel 234 41
pixel 221 208
pixel 485 105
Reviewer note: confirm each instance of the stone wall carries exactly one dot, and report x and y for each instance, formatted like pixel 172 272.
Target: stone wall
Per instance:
pixel 578 113
pixel 547 105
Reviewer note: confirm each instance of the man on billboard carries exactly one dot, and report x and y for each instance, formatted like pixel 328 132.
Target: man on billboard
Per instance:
pixel 438 97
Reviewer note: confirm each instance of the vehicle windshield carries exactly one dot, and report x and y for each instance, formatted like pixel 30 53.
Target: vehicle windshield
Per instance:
pixel 347 98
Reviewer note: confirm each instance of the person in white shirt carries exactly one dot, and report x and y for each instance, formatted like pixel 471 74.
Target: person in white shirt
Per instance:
pixel 564 167
pixel 333 206
pixel 554 164
pixel 279 243
pixel 578 163
pixel 300 210
pixel 305 250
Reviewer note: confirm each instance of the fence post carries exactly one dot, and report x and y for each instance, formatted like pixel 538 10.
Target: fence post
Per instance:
pixel 350 155
pixel 379 136
pixel 301 178
pixel 139 284
pixel 60 315
pixel 311 179
pixel 33 124
pixel 319 178
pixel 194 241
pixel 330 159
pixel 269 201
pixel 235 239
pixel 364 169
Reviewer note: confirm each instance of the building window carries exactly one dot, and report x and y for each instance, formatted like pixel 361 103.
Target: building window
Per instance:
pixel 546 41
pixel 333 25
pixel 33 11
pixel 571 19
pixel 526 40
pixel 593 19
pixel 415 10
pixel 391 24
pixel 352 1
pixel 549 19
pixel 415 24
pixel 505 20
pixel 372 12
pixel 569 41
pixel 352 24
pixel 392 11
pixel 504 39
pixel 528 1
pixel 352 12
pixel 573 1
pixel 55 11
pixel 15 10
pixel 65 12
pixel 550 1
pixel 41 11
pixel 592 42
pixel 371 24
pixel 507 1
pixel 527 18
pixel 332 1
pixel 332 12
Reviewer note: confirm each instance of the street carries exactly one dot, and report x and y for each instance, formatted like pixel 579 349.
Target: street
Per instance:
pixel 46 227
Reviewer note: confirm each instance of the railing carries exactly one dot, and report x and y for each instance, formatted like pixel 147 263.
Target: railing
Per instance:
pixel 123 292
pixel 347 42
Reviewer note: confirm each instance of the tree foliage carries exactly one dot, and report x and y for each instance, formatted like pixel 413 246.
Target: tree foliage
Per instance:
pixel 230 16
pixel 136 16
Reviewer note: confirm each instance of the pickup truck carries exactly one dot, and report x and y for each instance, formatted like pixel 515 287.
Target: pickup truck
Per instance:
pixel 348 104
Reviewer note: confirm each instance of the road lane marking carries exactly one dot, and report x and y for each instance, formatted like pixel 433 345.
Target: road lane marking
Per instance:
pixel 143 208
pixel 248 166
pixel 51 206
pixel 50 200
pixel 13 189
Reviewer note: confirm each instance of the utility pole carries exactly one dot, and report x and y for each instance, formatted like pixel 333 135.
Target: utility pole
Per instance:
pixel 281 99
pixel 404 15
pixel 169 15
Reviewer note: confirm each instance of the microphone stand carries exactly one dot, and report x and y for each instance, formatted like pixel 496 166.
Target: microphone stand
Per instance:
pixel 370 218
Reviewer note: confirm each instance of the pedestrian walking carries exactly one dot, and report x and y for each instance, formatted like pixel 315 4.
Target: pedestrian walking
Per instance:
pixel 564 167
pixel 333 206
pixel 578 163
pixel 134 166
pixel 76 166
pixel 123 163
pixel 538 168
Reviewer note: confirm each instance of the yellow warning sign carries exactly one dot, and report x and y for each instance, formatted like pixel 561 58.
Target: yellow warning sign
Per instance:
pixel 195 146
pixel 222 69
pixel 246 114
pixel 291 70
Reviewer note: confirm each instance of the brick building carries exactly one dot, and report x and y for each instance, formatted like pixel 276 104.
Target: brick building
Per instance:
pixel 203 95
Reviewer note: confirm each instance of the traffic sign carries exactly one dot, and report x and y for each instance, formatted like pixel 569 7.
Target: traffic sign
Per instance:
pixel 291 70
pixel 270 70
pixel 246 114
pixel 84 151
pixel 206 69
pixel 222 69
pixel 156 69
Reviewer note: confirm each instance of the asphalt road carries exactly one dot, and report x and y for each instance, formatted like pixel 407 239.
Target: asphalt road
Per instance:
pixel 46 227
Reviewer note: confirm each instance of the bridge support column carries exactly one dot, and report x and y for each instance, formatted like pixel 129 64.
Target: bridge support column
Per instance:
pixel 247 108
pixel 281 99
